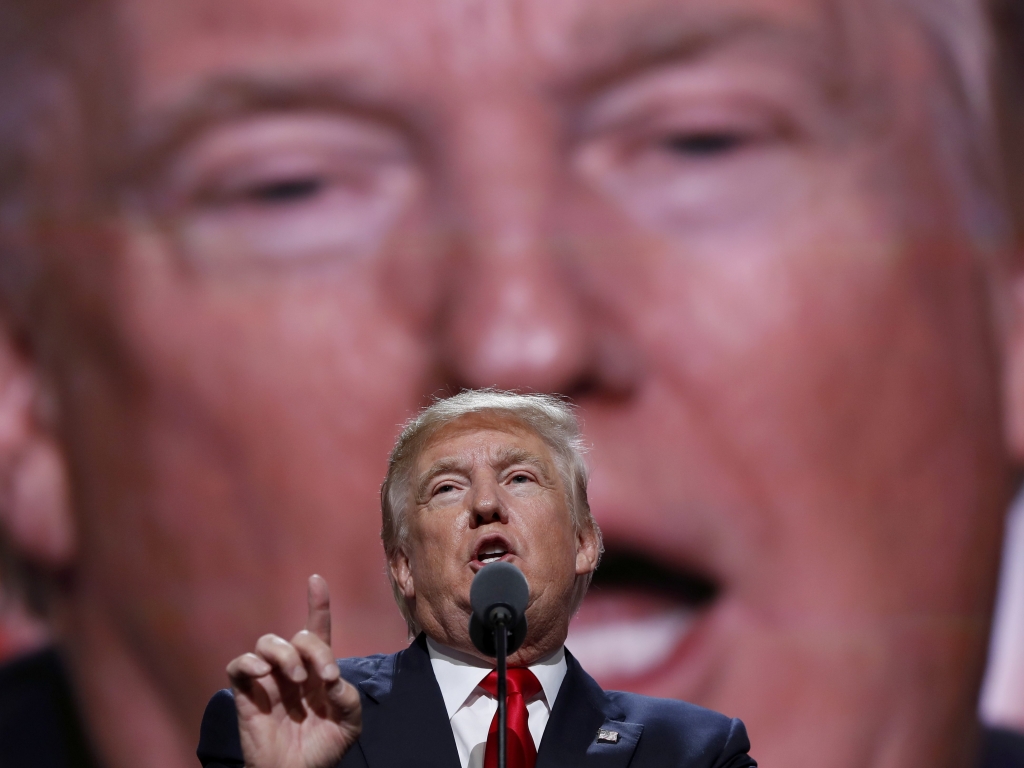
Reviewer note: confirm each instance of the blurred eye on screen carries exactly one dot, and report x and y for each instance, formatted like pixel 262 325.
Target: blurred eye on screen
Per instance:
pixel 681 158
pixel 703 144
pixel 288 189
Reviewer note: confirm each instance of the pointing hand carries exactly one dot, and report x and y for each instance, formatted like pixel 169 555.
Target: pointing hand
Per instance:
pixel 294 708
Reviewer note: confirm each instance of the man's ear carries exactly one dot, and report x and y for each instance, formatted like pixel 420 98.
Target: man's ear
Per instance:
pixel 35 512
pixel 401 572
pixel 588 550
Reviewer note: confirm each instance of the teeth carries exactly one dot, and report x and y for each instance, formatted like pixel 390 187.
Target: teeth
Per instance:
pixel 628 647
pixel 490 555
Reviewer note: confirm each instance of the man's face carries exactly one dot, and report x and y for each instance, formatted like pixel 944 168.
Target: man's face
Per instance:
pixel 719 226
pixel 486 489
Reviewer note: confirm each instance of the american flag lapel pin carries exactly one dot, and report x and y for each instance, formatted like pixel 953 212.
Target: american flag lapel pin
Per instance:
pixel 607 737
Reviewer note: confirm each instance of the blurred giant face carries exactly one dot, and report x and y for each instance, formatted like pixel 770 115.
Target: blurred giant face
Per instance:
pixel 721 226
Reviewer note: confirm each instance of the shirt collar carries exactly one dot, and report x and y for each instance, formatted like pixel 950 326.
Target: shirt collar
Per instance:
pixel 458 674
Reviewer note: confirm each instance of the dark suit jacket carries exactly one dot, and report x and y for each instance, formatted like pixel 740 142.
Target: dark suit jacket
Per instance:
pixel 405 723
pixel 40 727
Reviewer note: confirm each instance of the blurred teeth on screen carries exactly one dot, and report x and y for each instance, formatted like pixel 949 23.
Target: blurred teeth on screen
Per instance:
pixel 629 647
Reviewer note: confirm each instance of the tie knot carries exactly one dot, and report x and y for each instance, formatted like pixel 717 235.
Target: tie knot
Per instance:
pixel 520 680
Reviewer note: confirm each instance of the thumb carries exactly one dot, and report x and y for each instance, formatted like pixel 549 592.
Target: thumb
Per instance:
pixel 345 700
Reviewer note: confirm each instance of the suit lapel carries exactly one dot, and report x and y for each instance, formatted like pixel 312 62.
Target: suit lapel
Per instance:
pixel 405 721
pixel 571 735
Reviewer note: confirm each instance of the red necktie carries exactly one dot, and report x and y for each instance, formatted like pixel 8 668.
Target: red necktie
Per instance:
pixel 522 686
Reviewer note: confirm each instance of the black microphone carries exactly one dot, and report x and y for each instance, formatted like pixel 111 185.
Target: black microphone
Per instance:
pixel 498 596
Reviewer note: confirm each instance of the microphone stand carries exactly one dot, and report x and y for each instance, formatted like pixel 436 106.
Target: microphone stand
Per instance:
pixel 501 645
pixel 499 597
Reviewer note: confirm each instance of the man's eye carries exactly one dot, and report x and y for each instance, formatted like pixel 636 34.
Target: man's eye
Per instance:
pixel 446 488
pixel 704 144
pixel 285 190
pixel 520 478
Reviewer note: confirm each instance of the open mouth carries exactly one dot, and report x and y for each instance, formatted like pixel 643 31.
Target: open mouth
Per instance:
pixel 490 550
pixel 636 617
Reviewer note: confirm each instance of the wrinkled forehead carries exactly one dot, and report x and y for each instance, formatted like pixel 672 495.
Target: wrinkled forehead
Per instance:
pixel 405 48
pixel 485 429
pixel 492 439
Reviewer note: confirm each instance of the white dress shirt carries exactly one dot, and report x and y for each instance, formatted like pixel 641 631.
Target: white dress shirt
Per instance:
pixel 471 708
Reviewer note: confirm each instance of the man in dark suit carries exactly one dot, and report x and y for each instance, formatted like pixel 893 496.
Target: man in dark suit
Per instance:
pixel 759 243
pixel 480 477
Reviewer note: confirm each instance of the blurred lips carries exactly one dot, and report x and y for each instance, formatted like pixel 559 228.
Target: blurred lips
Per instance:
pixel 637 618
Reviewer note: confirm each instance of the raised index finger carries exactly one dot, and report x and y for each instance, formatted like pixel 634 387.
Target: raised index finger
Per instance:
pixel 319 620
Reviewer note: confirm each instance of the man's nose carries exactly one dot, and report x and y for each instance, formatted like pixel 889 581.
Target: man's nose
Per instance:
pixel 485 506
pixel 511 318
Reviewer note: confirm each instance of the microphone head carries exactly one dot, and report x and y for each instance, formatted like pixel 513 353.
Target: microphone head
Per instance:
pixel 499 591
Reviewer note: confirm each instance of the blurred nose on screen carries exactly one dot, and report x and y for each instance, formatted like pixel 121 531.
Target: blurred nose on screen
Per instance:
pixel 512 317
